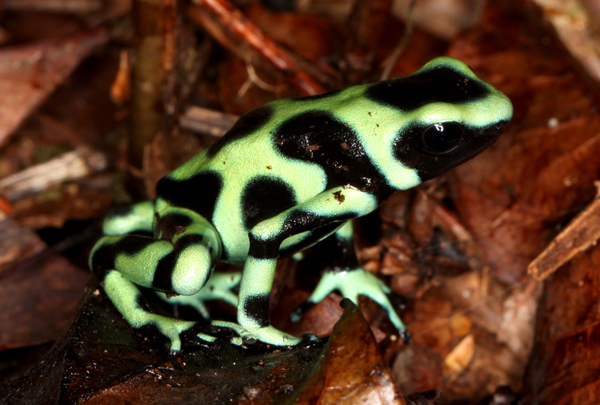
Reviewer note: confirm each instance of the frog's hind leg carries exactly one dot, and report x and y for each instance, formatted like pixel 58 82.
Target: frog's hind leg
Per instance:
pixel 133 218
pixel 181 263
pixel 218 287
pixel 346 275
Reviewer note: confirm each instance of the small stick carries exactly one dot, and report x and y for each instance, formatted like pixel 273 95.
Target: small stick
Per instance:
pixel 580 234
pixel 233 19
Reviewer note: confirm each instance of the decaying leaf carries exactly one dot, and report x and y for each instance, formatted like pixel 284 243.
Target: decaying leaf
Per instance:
pixel 29 73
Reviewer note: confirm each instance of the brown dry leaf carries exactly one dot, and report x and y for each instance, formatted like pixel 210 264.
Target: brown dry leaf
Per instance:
pixel 69 202
pixel 564 362
pixel 353 371
pixel 319 320
pixel 418 368
pixel 460 357
pixel 575 24
pixel 16 243
pixel 28 74
pixel 38 303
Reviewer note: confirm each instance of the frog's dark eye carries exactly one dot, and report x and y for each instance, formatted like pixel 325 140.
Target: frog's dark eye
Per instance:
pixel 442 137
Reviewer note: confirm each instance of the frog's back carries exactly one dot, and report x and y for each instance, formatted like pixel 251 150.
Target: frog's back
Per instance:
pixel 368 138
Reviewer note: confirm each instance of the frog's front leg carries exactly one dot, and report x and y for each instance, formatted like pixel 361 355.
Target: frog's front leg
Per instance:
pixel 178 261
pixel 345 275
pixel 327 210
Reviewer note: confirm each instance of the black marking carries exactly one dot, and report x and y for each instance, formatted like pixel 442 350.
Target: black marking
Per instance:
pixel 257 308
pixel 199 192
pixel 188 240
pixel 441 84
pixel 314 237
pixel 170 225
pixel 405 336
pixel 265 197
pixel 297 221
pixel 264 249
pixel 338 195
pixel 318 137
pixel 300 221
pixel 318 96
pixel 103 258
pixel 410 150
pixel 120 212
pixel 141 303
pixel 162 280
pixel 341 255
pixel 246 125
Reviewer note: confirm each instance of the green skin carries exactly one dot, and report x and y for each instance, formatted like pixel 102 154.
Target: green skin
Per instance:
pixel 281 185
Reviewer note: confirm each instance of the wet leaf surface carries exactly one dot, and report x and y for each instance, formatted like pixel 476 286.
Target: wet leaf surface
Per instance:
pixel 102 360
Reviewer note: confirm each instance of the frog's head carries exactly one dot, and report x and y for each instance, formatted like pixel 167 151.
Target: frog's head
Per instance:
pixel 451 116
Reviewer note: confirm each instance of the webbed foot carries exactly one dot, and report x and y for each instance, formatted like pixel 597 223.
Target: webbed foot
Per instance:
pixel 174 329
pixel 351 284
pixel 266 334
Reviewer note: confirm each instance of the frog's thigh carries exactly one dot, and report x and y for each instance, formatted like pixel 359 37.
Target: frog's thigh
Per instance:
pixel 180 268
pixel 218 287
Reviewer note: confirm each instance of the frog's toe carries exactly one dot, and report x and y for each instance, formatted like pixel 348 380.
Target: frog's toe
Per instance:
pixel 172 329
pixel 219 287
pixel 299 312
pixel 273 336
pixel 405 336
pixel 310 338
pixel 252 334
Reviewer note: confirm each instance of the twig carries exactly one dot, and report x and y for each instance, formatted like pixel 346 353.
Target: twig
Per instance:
pixel 60 6
pixel 236 23
pixel 206 121
pixel 67 167
pixel 579 235
pixel 390 61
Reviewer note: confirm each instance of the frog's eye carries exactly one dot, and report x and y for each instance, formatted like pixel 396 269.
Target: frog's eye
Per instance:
pixel 442 137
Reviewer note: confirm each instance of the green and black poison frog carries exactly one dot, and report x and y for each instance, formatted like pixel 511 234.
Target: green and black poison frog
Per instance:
pixel 286 176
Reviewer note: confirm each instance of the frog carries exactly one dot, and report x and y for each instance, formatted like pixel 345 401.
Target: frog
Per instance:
pixel 286 176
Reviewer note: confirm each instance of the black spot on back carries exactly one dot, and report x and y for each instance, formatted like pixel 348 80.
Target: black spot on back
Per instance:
pixel 265 197
pixel 317 137
pixel 246 125
pixel 442 84
pixel 198 193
